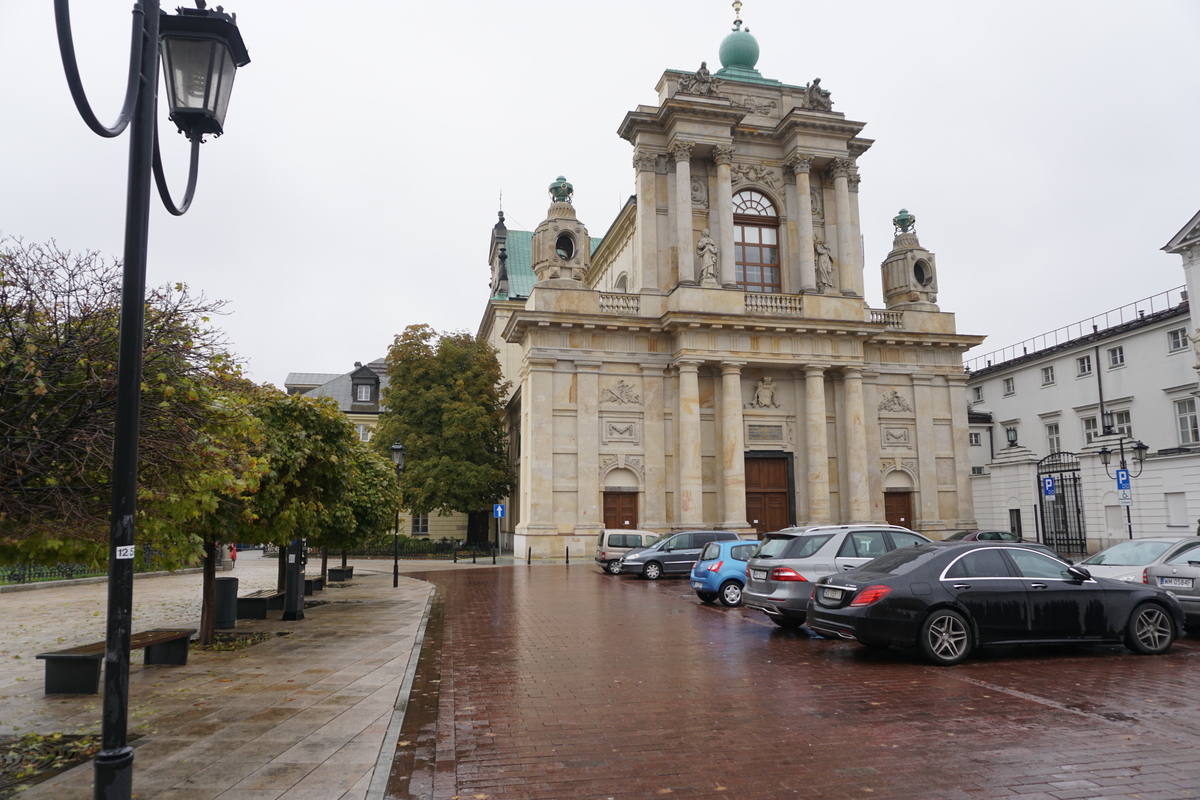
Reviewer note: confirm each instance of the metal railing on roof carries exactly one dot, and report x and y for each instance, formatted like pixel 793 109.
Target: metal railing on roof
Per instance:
pixel 1131 312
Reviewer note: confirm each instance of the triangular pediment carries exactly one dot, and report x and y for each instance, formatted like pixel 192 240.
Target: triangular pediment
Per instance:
pixel 1187 238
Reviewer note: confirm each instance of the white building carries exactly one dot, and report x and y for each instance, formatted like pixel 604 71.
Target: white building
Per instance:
pixel 1135 365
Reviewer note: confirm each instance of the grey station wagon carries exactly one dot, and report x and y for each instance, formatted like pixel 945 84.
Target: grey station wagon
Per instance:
pixel 674 555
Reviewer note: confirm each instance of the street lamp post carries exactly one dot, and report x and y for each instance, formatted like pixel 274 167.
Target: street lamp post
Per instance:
pixel 201 50
pixel 1139 456
pixel 397 451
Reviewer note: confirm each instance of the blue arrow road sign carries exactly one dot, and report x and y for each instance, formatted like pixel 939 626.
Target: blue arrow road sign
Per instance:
pixel 1048 487
pixel 498 511
pixel 1122 479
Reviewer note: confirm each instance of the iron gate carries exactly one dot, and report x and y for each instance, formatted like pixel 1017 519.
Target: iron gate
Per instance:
pixel 1062 517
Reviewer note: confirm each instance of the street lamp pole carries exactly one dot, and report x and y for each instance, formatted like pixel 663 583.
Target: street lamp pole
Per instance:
pixel 397 451
pixel 1139 455
pixel 192 43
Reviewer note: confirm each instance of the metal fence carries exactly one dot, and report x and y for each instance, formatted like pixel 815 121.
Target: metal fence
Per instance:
pixel 408 548
pixel 33 573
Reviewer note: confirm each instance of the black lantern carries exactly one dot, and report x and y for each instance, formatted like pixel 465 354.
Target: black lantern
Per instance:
pixel 1011 434
pixel 201 51
pixel 1106 419
pixel 1139 451
pixel 1105 456
pixel 397 451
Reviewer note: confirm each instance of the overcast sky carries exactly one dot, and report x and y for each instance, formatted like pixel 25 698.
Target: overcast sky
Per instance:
pixel 1048 149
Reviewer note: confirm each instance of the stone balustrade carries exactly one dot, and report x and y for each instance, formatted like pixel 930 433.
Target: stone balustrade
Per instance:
pixel 774 304
pixel 620 303
pixel 892 319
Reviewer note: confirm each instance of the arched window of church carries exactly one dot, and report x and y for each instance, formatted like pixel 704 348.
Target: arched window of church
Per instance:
pixel 756 242
pixel 622 283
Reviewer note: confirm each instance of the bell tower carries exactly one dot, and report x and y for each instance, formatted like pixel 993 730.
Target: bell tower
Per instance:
pixel 562 250
pixel 909 271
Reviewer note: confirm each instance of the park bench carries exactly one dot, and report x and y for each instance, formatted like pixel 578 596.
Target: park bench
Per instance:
pixel 256 604
pixel 316 584
pixel 76 670
pixel 338 574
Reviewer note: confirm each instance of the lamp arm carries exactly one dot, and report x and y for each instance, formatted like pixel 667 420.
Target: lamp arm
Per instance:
pixel 66 48
pixel 160 178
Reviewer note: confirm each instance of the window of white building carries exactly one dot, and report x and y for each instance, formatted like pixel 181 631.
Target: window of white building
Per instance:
pixel 1083 365
pixel 978 393
pixel 1177 340
pixel 977 471
pixel 1185 412
pixel 1116 356
pixel 364 432
pixel 1177 516
pixel 362 393
pixel 1089 429
pixel 1053 440
pixel 1122 423
pixel 1047 376
pixel 420 525
pixel 976 439
pixel 1010 386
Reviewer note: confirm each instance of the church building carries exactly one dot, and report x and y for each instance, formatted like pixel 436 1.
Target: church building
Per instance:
pixel 712 361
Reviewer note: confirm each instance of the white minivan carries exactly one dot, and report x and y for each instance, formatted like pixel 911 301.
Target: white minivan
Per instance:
pixel 616 542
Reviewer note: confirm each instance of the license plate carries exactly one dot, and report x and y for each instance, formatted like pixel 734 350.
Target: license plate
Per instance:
pixel 697 585
pixel 759 574
pixel 1179 583
pixel 831 594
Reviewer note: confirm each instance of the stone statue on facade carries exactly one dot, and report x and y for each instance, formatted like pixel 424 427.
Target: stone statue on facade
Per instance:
pixel 764 393
pixel 701 83
pixel 561 190
pixel 1195 340
pixel 699 191
pixel 706 248
pixel 817 98
pixel 824 260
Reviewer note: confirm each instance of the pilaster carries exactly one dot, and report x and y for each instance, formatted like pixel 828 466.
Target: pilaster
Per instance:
pixel 681 153
pixel 538 496
pixel 957 387
pixel 840 170
pixel 647 220
pixel 929 513
pixel 806 261
pixel 818 444
pixel 590 511
pixel 722 157
pixel 733 447
pixel 653 420
pixel 854 425
pixel 691 487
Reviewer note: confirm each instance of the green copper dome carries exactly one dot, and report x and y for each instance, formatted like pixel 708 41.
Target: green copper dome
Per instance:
pixel 739 49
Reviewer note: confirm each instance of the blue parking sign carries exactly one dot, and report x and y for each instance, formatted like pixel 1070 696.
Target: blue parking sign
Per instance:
pixel 498 511
pixel 1122 479
pixel 1048 487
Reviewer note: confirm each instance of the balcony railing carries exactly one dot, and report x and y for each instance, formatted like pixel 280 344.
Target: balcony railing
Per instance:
pixel 620 303
pixel 891 319
pixel 771 305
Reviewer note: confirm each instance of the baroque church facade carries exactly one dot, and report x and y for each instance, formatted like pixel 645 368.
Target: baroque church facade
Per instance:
pixel 711 362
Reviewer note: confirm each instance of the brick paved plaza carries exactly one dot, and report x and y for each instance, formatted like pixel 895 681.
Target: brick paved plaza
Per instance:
pixel 562 682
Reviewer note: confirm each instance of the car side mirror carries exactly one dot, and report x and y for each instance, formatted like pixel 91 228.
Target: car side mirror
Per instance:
pixel 1079 573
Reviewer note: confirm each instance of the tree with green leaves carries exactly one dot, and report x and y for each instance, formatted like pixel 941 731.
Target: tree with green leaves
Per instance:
pixel 367 512
pixel 444 403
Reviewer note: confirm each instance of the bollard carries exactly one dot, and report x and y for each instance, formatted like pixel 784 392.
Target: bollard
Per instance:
pixel 568 554
pixel 472 556
pixel 494 549
pixel 455 551
pixel 529 556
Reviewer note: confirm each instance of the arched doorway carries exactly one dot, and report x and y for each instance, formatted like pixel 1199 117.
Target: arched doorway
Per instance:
pixel 897 498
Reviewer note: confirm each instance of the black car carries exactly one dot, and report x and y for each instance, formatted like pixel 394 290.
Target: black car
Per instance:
pixel 945 599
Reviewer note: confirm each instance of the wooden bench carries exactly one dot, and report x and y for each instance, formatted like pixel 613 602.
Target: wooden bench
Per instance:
pixel 76 670
pixel 256 604
pixel 316 584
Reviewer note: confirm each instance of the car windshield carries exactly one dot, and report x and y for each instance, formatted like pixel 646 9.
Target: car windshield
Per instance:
pixel 1129 554
pixel 773 547
pixel 899 562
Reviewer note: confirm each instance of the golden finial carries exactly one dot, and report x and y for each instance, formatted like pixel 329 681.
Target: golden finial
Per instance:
pixel 737 11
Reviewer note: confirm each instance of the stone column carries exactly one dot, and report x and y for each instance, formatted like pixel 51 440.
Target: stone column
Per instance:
pixel 647 220
pixel 723 157
pixel 691 486
pixel 538 517
pixel 818 444
pixel 959 409
pixel 681 152
pixel 655 444
pixel 802 166
pixel 854 424
pixel 733 447
pixel 929 514
pixel 840 170
pixel 589 516
pixel 856 236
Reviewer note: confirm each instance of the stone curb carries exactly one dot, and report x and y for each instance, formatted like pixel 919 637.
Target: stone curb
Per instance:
pixel 387 751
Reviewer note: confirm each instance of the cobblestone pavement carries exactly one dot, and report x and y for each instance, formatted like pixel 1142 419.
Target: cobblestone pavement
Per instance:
pixel 562 682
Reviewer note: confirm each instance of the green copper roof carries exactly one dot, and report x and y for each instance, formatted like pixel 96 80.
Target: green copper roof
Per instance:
pixel 739 49
pixel 519 246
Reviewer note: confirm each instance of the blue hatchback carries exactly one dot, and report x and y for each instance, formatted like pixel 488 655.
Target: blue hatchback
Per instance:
pixel 721 571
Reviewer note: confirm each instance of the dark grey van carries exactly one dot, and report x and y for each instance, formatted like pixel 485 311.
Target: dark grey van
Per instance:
pixel 675 555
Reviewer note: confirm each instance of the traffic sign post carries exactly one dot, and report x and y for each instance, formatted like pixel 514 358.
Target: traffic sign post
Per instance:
pixel 498 511
pixel 1047 487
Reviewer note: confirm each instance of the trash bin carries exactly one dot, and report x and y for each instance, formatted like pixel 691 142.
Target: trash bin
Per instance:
pixel 226 611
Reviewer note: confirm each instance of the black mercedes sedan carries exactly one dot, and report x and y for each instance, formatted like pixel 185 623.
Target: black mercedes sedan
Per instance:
pixel 945 599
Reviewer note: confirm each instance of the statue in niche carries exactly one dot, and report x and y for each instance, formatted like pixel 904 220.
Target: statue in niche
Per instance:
pixel 701 83
pixel 699 191
pixel 817 98
pixel 824 266
pixel 706 248
pixel 764 393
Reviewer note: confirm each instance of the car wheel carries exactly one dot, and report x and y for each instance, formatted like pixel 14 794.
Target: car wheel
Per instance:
pixel 652 571
pixel 707 597
pixel 790 623
pixel 1150 630
pixel 731 593
pixel 613 567
pixel 945 637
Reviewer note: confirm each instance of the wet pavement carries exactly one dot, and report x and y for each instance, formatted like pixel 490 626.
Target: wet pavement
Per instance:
pixel 563 682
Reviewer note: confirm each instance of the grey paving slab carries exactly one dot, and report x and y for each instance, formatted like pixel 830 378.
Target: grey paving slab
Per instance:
pixel 298 716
